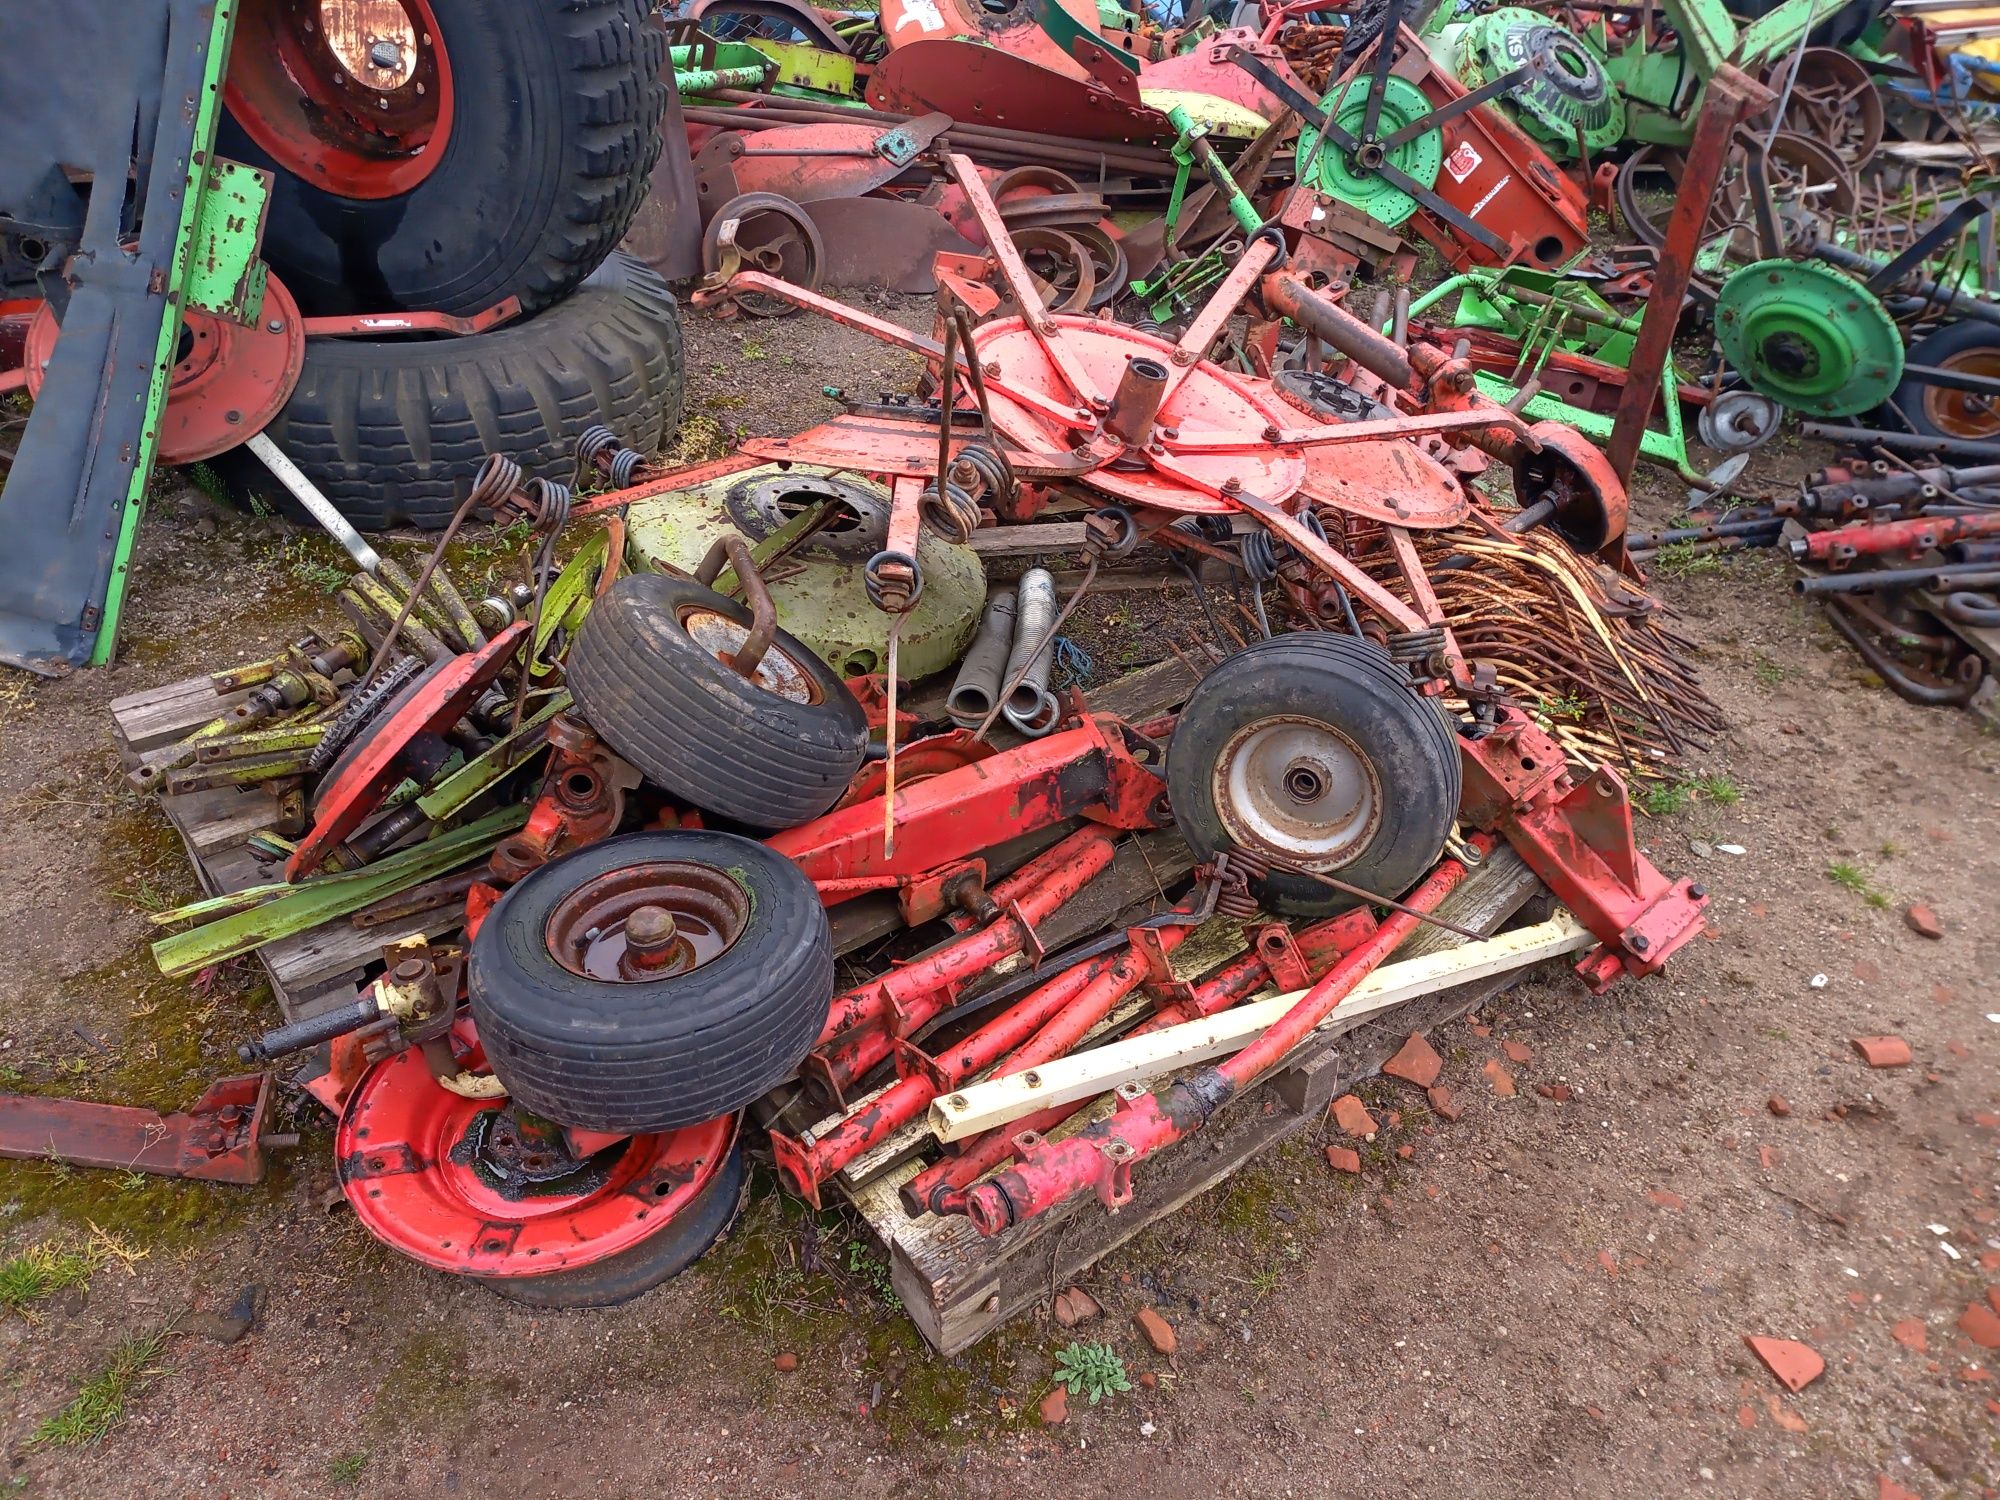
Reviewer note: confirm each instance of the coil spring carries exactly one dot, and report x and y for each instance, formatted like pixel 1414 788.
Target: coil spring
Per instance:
pixel 494 486
pixel 599 450
pixel 1413 648
pixel 1212 529
pixel 1264 554
pixel 1111 533
pixel 987 471
pixel 954 517
pixel 1242 867
pixel 546 504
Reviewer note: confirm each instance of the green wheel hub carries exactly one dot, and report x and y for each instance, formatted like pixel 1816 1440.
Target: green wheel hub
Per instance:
pixel 1338 177
pixel 1809 337
pixel 818 588
pixel 1570 91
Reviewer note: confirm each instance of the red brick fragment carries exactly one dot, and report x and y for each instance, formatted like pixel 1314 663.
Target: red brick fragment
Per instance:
pixel 785 1363
pixel 1981 1324
pixel 1887 1489
pixel 1883 1051
pixel 1148 1380
pixel 1478 1030
pixel 1746 1417
pixel 1665 1198
pixel 1993 1298
pixel 1795 1365
pixel 1518 1052
pixel 1416 1061
pixel 1911 1335
pixel 1443 1105
pixel 1780 1106
pixel 1157 1330
pixel 1783 1415
pixel 1767 1157
pixel 1609 1262
pixel 1561 1093
pixel 1075 1306
pixel 1924 922
pixel 1342 1159
pixel 1501 1080
pixel 1406 1152
pixel 1055 1407
pixel 1352 1116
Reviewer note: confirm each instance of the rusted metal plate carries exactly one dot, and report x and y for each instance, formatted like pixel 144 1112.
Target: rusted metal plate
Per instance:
pixel 1026 28
pixel 811 163
pixel 976 84
pixel 218 1139
pixel 1392 482
pixel 885 242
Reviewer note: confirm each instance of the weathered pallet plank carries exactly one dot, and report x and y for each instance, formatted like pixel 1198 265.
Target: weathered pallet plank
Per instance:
pixel 958 1286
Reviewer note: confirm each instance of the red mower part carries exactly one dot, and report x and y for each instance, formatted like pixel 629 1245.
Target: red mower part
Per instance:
pixel 1208 399
pixel 330 102
pixel 440 701
pixel 407 1155
pixel 227 383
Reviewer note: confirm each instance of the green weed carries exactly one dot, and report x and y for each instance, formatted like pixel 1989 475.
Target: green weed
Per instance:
pixel 348 1468
pixel 1662 799
pixel 100 1405
pixel 40 1271
pixel 1680 560
pixel 1855 879
pixel 1092 1370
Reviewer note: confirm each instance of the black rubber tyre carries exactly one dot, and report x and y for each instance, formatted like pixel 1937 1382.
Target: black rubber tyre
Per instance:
pixel 1955 344
pixel 657 1054
pixel 1352 687
pixel 661 1256
pixel 394 431
pixel 557 112
pixel 698 728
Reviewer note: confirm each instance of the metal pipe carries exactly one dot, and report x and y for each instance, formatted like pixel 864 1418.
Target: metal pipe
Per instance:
pixel 1970 608
pixel 985 665
pixel 1640 540
pixel 1031 708
pixel 1893 672
pixel 1137 400
pixel 1908 442
pixel 1933 291
pixel 1958 576
pixel 1918 534
pixel 317 505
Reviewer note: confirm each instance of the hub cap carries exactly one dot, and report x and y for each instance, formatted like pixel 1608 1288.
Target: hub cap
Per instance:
pixel 1300 790
pixel 648 921
pixel 779 672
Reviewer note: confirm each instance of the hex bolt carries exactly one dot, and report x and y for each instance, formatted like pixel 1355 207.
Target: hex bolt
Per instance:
pixel 1640 942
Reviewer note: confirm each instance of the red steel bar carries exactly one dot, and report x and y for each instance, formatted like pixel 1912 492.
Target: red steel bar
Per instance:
pixel 864 1022
pixel 1918 534
pixel 940 1188
pixel 1101 1155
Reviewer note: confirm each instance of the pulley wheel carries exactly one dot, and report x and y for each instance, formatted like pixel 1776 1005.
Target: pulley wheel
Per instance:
pixel 773 235
pixel 1337 175
pixel 1808 336
pixel 1834 102
pixel 228 380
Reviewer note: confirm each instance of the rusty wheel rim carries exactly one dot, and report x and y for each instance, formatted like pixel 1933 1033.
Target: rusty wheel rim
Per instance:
pixel 1965 414
pixel 354 96
pixel 1298 789
pixel 779 673
pixel 647 922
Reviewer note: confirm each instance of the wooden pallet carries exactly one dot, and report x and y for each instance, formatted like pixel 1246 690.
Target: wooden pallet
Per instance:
pixel 958 1286
pixel 314 972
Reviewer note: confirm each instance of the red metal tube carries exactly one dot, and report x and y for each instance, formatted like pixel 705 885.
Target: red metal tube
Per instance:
pixel 1918 534
pixel 864 1021
pixel 1102 1155
pixel 1091 1005
pixel 808 1163
pixel 940 1188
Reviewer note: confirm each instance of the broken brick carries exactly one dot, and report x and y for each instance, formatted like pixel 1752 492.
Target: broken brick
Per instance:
pixel 1746 1417
pixel 1767 1157
pixel 1076 1306
pixel 1980 1324
pixel 1148 1380
pixel 1406 1152
pixel 1609 1262
pixel 1443 1105
pixel 1783 1415
pixel 1779 1105
pixel 1055 1407
pixel 1924 922
pixel 1795 1365
pixel 1501 1080
pixel 1561 1093
pixel 1663 1198
pixel 1478 1030
pixel 785 1363
pixel 1883 1051
pixel 1993 1297
pixel 1518 1052
pixel 1911 1335
pixel 1157 1330
pixel 1416 1061
pixel 1887 1489
pixel 1352 1116
pixel 1342 1159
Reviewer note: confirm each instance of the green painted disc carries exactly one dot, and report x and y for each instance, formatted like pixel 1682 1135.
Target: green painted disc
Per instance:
pixel 1568 92
pixel 1809 337
pixel 1333 174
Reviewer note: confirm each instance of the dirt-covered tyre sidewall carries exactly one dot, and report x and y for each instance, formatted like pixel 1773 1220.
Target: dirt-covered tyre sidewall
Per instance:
pixel 556 126
pixel 655 1260
pixel 699 729
pixel 393 431
pixel 1353 686
pixel 1931 351
pixel 653 1055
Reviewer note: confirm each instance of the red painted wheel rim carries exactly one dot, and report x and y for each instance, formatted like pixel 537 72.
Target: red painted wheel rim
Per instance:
pixel 394 1153
pixel 313 97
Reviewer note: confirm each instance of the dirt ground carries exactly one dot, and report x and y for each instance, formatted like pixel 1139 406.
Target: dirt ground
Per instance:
pixel 1548 1296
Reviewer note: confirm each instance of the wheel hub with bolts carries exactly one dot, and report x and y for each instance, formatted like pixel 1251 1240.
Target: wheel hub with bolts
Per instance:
pixel 1569 93
pixel 647 922
pixel 1354 179
pixel 1299 790
pixel 1809 336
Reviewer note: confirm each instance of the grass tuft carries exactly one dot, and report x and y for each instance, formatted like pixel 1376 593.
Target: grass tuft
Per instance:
pixel 100 1405
pixel 40 1271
